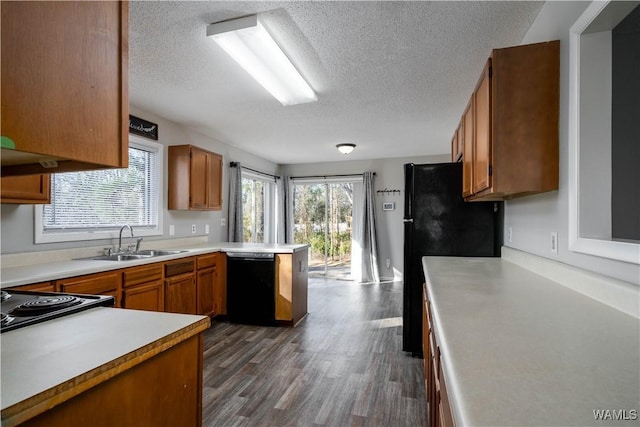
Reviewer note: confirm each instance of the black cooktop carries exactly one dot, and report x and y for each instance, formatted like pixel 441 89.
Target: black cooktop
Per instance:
pixel 23 308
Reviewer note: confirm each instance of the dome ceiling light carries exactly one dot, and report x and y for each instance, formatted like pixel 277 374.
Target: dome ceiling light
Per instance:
pixel 345 148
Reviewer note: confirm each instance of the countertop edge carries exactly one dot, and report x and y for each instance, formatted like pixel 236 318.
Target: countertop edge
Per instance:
pixel 41 402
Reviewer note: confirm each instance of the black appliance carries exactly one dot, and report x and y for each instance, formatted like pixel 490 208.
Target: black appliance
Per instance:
pixel 23 308
pixel 251 279
pixel 438 222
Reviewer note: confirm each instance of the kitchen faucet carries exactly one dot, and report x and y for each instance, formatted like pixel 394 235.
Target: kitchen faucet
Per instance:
pixel 120 238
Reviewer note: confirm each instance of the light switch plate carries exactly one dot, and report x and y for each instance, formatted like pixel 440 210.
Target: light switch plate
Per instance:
pixel 172 230
pixel 206 229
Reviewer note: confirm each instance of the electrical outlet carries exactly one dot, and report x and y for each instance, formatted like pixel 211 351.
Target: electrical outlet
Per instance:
pixel 206 229
pixel 193 229
pixel 554 242
pixel 223 222
pixel 510 234
pixel 388 263
pixel 172 230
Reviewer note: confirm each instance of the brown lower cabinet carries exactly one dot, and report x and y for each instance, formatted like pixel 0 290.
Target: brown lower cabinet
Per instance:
pixel 438 404
pixel 193 285
pixel 143 288
pixel 206 283
pixel 291 286
pixel 180 286
pixel 165 390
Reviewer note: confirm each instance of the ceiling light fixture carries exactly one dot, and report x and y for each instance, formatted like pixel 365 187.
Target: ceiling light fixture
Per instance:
pixel 345 148
pixel 249 44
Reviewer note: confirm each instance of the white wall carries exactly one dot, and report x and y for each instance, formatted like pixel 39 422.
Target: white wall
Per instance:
pixel 17 221
pixel 534 218
pixel 595 135
pixel 389 175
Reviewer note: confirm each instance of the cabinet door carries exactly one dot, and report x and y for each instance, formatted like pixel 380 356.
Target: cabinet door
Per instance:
pixel 206 283
pixel 65 84
pixel 149 296
pixel 482 141
pixel 214 182
pixel 198 178
pixel 180 294
pixel 109 283
pixel 28 189
pixel 467 149
pixel 454 147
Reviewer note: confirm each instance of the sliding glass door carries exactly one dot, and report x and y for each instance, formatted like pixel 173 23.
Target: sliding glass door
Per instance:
pixel 323 213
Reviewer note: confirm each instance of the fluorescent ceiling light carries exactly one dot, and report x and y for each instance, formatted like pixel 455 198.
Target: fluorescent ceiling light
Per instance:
pixel 249 43
pixel 345 148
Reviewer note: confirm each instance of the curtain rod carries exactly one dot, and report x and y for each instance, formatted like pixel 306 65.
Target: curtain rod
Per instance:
pixel 235 164
pixel 329 176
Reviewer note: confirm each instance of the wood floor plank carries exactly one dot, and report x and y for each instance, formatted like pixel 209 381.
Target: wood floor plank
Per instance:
pixel 342 366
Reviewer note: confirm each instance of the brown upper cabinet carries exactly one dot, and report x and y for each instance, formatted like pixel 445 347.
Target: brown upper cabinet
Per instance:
pixel 510 126
pixel 65 99
pixel 28 189
pixel 195 179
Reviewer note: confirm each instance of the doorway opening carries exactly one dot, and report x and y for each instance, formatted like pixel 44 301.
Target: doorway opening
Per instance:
pixel 323 218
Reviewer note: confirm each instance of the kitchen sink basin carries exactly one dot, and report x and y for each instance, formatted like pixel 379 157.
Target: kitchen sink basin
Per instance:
pixel 155 252
pixel 143 254
pixel 119 257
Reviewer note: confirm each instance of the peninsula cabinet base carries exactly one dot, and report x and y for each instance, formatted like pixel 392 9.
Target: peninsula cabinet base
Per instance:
pixel 165 390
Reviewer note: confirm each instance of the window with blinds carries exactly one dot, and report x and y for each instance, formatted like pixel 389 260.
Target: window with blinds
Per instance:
pixel 94 204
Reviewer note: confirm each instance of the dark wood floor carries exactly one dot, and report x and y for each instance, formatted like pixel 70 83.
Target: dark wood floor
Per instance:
pixel 342 366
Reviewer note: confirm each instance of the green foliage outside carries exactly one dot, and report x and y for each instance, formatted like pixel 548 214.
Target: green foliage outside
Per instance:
pixel 323 211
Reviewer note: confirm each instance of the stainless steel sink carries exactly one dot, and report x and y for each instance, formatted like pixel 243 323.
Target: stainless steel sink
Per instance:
pixel 156 252
pixel 119 257
pixel 144 254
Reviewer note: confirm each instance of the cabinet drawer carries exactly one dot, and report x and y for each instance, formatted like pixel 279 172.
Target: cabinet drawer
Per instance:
pixel 206 261
pixel 144 274
pixel 178 267
pixel 44 286
pixel 92 284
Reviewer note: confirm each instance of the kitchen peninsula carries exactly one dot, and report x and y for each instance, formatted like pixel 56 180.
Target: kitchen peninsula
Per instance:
pixel 104 367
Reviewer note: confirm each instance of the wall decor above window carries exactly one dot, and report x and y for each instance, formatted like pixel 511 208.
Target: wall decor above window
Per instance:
pixel 142 127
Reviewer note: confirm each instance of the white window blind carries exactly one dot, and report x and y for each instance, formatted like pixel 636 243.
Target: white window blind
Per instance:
pixel 95 202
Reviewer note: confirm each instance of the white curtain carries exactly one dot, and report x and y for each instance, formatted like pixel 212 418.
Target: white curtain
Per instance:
pixel 285 206
pixel 368 236
pixel 235 202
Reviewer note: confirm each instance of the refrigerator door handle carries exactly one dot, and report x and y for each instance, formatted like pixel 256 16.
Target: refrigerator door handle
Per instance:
pixel 408 220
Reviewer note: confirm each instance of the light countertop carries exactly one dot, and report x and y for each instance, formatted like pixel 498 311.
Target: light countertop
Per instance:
pixel 58 356
pixel 41 270
pixel 519 349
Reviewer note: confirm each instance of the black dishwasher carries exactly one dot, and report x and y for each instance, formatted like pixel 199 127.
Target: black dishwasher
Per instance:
pixel 251 288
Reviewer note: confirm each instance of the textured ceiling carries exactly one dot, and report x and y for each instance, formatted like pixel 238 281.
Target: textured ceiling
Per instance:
pixel 391 77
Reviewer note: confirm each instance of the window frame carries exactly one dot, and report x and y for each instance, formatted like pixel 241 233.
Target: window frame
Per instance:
pixel 73 236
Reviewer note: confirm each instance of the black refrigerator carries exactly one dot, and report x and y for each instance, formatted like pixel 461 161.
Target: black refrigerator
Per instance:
pixel 438 222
